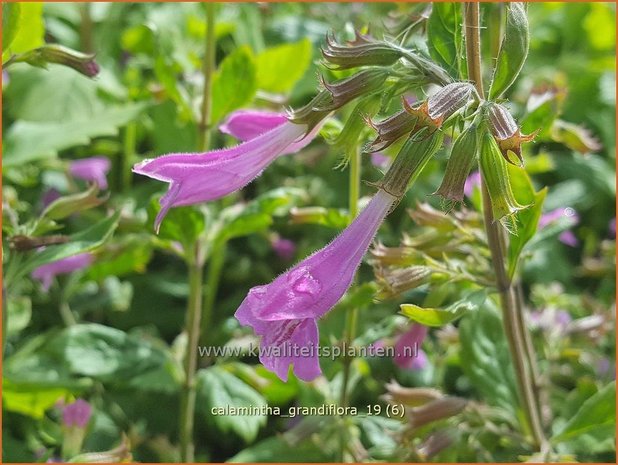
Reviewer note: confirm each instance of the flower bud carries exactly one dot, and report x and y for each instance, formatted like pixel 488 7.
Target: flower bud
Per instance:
pixel 574 137
pixel 410 161
pixel 449 99
pixel 507 133
pixel 436 410
pixel 395 281
pixel 363 51
pixel 81 62
pixel 343 91
pixel 392 129
pixel 410 397
pixel 435 444
pixel 496 177
pixel 120 454
pixel 310 114
pixel 460 163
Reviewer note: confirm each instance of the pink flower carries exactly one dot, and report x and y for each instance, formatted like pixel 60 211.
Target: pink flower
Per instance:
pixel 284 248
pixel 285 312
pixel 566 237
pixel 408 353
pixel 196 178
pixel 473 181
pixel 93 169
pixel 46 273
pixel 77 414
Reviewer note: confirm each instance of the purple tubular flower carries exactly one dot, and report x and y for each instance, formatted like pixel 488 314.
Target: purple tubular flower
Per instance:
pixel 566 237
pixel 196 178
pixel 245 125
pixel 77 414
pixel 473 181
pixel 408 353
pixel 46 273
pixel 285 312
pixel 92 169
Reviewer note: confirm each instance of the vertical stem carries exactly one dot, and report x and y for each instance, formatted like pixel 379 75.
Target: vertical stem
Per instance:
pixel 352 314
pixel 208 68
pixel 130 136
pixel 85 28
pixel 213 277
pixel 495 238
pixel 194 313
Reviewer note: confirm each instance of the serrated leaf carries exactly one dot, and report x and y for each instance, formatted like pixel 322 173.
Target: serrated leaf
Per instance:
pixel 234 84
pixel 445 39
pixel 441 316
pixel 513 50
pixel 80 242
pixel 598 411
pixel 26 141
pixel 218 388
pixel 280 67
pixel 29 31
pixel 486 358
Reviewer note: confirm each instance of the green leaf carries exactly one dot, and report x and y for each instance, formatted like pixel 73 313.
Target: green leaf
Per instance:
pixel 485 357
pixel 528 218
pixel 513 50
pixel 445 39
pixel 19 309
pixel 243 220
pixel 29 401
pixel 217 388
pixel 278 449
pixel 182 224
pixel 30 29
pixel 234 84
pixel 27 141
pixel 597 412
pixel 331 217
pixel 10 23
pixel 280 67
pixel 441 316
pixel 80 242
pixel 69 204
pixel 129 255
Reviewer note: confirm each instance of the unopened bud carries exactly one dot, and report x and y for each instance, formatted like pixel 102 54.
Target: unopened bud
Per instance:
pixel 364 82
pixel 398 280
pixel 435 444
pixel 496 177
pixel 507 133
pixel 410 161
pixel 81 62
pixel 364 51
pixel 387 256
pixel 574 137
pixel 449 99
pixel 460 163
pixel 436 410
pixel 310 114
pixel 392 129
pixel 410 397
pixel 120 454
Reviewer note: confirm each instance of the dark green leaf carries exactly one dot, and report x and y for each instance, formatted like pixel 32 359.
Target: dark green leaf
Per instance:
pixel 513 50
pixel 445 39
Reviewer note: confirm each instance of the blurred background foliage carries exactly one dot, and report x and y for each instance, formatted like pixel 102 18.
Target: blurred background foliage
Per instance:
pixel 123 355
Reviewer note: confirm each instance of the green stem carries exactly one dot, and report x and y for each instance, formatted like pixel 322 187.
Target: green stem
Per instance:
pixel 511 310
pixel 213 277
pixel 130 141
pixel 67 314
pixel 194 313
pixel 352 313
pixel 208 68
pixel 85 29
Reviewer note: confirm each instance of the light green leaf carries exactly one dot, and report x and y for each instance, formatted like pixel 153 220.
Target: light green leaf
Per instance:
pixel 445 39
pixel 80 242
pixel 234 83
pixel 280 67
pixel 30 29
pixel 487 361
pixel 29 401
pixel 10 23
pixel 29 141
pixel 69 204
pixel 528 219
pixel 217 388
pixel 513 50
pixel 597 412
pixel 441 316
pixel 19 309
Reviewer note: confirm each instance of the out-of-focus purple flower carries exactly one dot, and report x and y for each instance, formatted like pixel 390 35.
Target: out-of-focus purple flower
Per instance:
pixel 46 273
pixel 76 414
pixel 48 197
pixel 285 312
pixel 93 169
pixel 566 237
pixel 473 181
pixel 196 178
pixel 284 248
pixel 379 160
pixel 408 353
pixel 550 319
pixel 612 228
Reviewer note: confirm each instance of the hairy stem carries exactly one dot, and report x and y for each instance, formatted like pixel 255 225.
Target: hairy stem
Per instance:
pixel 511 310
pixel 208 68
pixel 187 403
